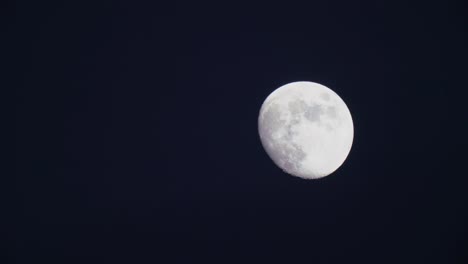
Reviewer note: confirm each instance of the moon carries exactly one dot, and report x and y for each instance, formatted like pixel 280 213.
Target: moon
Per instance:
pixel 306 129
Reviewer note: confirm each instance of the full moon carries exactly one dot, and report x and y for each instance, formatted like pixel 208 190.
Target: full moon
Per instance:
pixel 306 129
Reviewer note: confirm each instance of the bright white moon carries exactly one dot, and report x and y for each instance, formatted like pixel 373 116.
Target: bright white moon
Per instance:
pixel 306 129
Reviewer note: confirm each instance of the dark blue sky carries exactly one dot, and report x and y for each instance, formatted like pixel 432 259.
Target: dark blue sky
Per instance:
pixel 136 132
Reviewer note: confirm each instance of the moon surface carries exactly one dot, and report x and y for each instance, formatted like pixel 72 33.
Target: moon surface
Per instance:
pixel 306 129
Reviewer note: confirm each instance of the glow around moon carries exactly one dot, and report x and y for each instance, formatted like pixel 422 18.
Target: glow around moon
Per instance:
pixel 306 129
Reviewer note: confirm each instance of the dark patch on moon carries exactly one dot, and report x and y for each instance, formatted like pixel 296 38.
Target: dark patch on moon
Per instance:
pixel 313 113
pixel 297 107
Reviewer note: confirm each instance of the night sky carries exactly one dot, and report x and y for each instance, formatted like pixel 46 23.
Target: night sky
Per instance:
pixel 136 132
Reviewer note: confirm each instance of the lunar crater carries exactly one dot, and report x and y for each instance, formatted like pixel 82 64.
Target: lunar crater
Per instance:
pixel 280 135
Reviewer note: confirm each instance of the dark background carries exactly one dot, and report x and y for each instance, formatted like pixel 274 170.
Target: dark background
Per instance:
pixel 136 132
